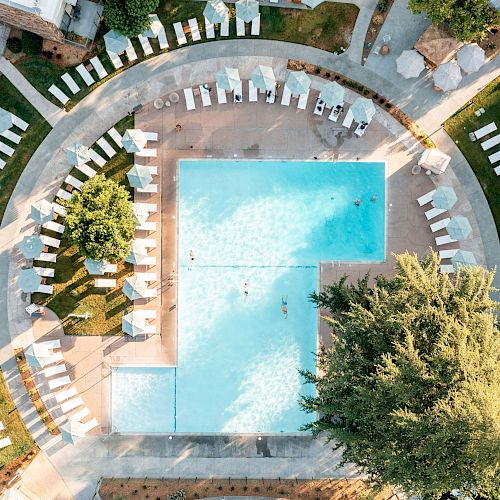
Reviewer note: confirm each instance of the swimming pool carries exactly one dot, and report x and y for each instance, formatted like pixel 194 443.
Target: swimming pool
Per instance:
pixel 260 226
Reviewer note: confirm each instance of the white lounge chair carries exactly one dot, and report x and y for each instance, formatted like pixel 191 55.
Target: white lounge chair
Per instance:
pixel 188 95
pixel 146 313
pixel 148 261
pixel 146 46
pixel 104 283
pixel 255 31
pixel 2 427
pixel 361 129
pixel 86 76
pixel 252 92
pixel 71 404
pixel 205 95
pixel 487 129
pixel 130 51
pixel 150 188
pixel 209 29
pixel 97 158
pixel 434 212
pixel 426 198
pixel 63 395
pixel 6 149
pixel 147 153
pixel 54 370
pixel 64 195
pixel 50 344
pixel 46 272
pixel 18 122
pixel 494 157
pixel 221 95
pixel 319 107
pixel 162 39
pixel 110 268
pixel 195 30
pixel 57 357
pixel 58 94
pixel 59 382
pixel 88 426
pixel 179 33
pixel 240 27
pixel 238 92
pixel 146 226
pixel 336 112
pixel 72 85
pixel 106 147
pixel 270 97
pixel 150 136
pixel 349 118
pixel 113 133
pixel 8 134
pixel 224 28
pixel 2 164
pixel 80 415
pixel 446 269
pixel 497 170
pixel 491 142
pixel 147 276
pixel 149 207
pixel 286 96
pixel 303 100
pixel 440 224
pixel 47 257
pixel 54 226
pixel 85 169
pixel 4 442
pixel 99 68
pixel 49 241
pixel 73 181
pixel 145 242
pixel 444 240
pixel 447 254
pixel 48 289
pixel 115 59
pixel 153 170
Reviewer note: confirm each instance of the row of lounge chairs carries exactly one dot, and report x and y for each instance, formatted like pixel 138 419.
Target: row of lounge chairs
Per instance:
pixel 486 145
pixel 13 136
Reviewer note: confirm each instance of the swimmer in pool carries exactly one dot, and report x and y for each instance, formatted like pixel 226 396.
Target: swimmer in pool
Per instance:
pixel 284 306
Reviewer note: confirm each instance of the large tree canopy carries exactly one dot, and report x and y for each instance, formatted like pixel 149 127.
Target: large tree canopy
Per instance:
pixel 100 220
pixel 468 19
pixel 129 17
pixel 411 384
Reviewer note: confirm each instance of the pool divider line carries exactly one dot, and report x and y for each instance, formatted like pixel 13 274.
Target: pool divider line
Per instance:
pixel 236 266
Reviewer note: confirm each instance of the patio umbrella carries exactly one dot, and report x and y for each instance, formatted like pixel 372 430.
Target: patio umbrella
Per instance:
pixel 140 213
pixel 95 266
pixel 312 3
pixel 154 28
pixel 470 57
pixel 31 246
pixel 447 76
pixel 77 154
pixel 363 110
pixel 444 197
pixel 115 42
pixel 133 324
pixel 463 258
pixel 134 140
pixel 263 77
pixel 332 94
pixel 495 4
pixel 410 63
pixel 13 494
pixel 42 211
pixel 247 10
pixel 139 176
pixel 37 356
pixel 135 288
pixel 298 82
pixel 137 255
pixel 228 78
pixel 5 120
pixel 459 228
pixel 72 431
pixel 216 11
pixel 28 280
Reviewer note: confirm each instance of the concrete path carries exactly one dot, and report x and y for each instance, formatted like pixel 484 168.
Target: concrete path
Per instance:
pixel 4 35
pixel 48 110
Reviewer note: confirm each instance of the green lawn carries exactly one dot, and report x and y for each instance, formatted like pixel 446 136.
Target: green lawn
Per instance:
pixel 329 27
pixel 14 428
pixel 465 121
pixel 74 291
pixel 12 100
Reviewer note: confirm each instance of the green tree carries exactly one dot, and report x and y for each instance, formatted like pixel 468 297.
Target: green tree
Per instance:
pixel 129 17
pixel 411 384
pixel 468 19
pixel 100 220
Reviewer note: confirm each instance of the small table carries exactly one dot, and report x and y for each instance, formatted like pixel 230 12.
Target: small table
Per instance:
pixel 384 50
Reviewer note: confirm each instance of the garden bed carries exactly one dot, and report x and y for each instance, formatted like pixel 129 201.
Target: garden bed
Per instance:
pixel 376 23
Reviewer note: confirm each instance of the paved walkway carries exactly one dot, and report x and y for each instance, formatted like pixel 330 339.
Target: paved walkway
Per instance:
pixel 48 110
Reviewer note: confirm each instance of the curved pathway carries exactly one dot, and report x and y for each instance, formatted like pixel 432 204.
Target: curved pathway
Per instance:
pixel 159 76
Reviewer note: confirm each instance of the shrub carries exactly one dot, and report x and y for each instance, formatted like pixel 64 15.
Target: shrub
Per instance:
pixel 14 45
pixel 382 6
pixel 381 101
pixel 378 20
pixel 366 92
pixel 129 17
pixel 48 54
pixel 32 43
pixel 317 70
pixel 388 105
pixel 328 75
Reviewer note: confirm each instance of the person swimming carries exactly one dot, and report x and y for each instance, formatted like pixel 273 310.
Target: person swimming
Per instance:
pixel 245 291
pixel 357 202
pixel 191 259
pixel 284 306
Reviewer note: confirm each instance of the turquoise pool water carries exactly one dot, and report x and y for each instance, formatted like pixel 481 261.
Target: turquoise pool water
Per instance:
pixel 260 226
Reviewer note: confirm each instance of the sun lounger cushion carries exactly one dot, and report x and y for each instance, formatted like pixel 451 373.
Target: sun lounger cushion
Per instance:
pixel 72 85
pixel 221 95
pixel 115 60
pixel 99 68
pixel 71 404
pixel 63 395
pixel 426 198
pixel 86 76
pixel 58 94
pixel 179 33
pixel 195 31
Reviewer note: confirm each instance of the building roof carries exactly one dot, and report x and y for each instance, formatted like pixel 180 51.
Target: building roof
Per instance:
pixel 437 44
pixel 47 9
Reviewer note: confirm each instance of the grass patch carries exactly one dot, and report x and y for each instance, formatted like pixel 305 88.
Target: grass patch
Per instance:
pixel 14 428
pixel 74 290
pixel 12 100
pixel 464 121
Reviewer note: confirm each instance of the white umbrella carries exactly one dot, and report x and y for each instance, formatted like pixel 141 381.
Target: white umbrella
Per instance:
pixel 228 78
pixel 134 140
pixel 363 110
pixel 463 258
pixel 263 77
pixel 139 176
pixel 495 4
pixel 72 431
pixel 115 42
pixel 138 254
pixel 133 324
pixel 447 76
pixel 42 211
pixel 5 120
pixel 332 94
pixel 247 10
pixel 135 288
pixel 31 246
pixel 444 197
pixel 312 3
pixel 95 267
pixel 77 154
pixel 216 11
pixel 471 57
pixel 37 356
pixel 154 28
pixel 28 280
pixel 298 82
pixel 140 213
pixel 459 228
pixel 410 63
